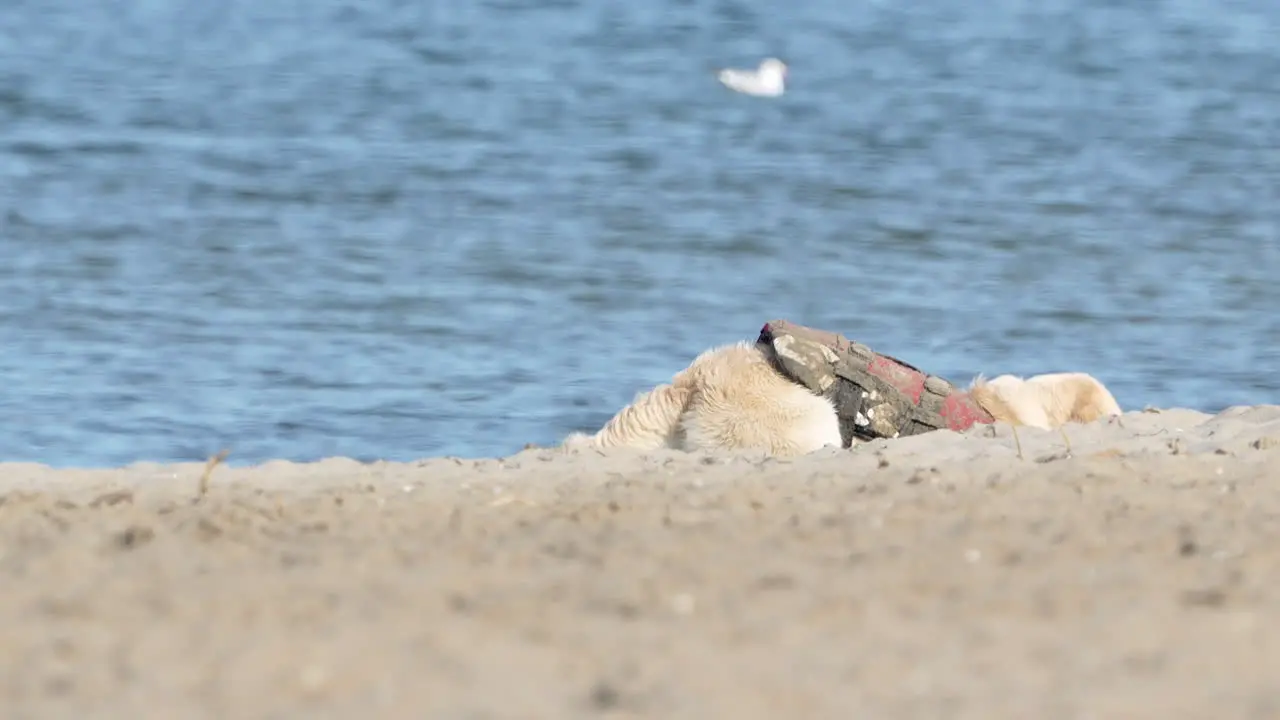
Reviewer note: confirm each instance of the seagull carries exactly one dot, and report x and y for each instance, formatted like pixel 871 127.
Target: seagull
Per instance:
pixel 767 81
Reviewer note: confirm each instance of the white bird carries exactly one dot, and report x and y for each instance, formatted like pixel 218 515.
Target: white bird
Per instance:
pixel 769 80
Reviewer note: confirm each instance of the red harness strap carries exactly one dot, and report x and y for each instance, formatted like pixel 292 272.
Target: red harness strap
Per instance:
pixel 962 412
pixel 959 409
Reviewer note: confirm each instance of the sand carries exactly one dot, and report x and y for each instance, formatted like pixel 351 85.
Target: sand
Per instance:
pixel 937 576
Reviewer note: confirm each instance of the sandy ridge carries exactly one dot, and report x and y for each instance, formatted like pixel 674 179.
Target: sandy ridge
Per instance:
pixel 933 576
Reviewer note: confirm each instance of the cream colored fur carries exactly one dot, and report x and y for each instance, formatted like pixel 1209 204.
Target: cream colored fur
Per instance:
pixel 729 398
pixel 1045 401
pixel 732 398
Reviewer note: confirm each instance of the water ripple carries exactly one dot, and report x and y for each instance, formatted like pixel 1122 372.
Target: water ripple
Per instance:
pixel 318 229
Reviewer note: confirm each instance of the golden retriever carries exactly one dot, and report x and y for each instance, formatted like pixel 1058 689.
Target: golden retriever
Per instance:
pixel 733 398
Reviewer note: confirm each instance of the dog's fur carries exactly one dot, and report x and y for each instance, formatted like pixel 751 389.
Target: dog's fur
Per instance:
pixel 1045 401
pixel 733 398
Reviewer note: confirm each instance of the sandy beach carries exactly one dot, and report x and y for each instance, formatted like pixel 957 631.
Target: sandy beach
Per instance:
pixel 928 577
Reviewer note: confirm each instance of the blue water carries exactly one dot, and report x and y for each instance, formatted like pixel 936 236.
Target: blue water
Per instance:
pixel 394 230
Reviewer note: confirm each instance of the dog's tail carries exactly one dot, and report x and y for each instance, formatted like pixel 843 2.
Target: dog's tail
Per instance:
pixel 650 422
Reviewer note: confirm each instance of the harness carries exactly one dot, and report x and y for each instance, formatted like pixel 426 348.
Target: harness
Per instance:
pixel 875 396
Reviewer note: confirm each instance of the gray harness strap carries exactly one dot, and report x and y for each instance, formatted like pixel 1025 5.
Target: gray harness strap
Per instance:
pixel 875 396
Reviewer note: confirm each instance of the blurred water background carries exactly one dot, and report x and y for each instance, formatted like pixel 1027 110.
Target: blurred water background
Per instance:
pixel 394 229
